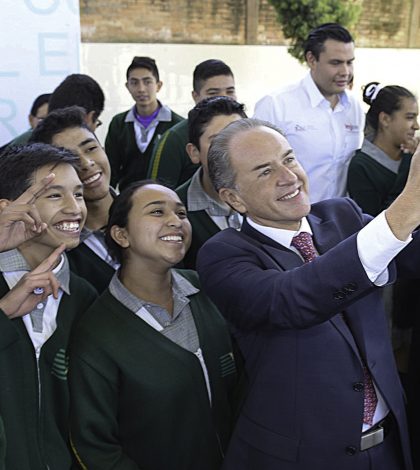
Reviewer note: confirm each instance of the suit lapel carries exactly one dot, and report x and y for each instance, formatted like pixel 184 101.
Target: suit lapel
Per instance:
pixel 325 234
pixel 282 256
pixel 325 237
pixel 343 328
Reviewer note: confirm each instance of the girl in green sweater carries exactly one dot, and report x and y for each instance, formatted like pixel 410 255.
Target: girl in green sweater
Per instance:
pixel 378 171
pixel 152 369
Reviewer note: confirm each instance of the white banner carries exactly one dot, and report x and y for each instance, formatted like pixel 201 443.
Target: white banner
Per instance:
pixel 39 43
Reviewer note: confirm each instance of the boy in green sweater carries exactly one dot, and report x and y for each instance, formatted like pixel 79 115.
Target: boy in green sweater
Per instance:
pixel 132 134
pixel 67 128
pixel 170 163
pixel 37 306
pixel 19 221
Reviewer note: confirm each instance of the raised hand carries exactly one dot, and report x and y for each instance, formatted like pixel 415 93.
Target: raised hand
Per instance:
pixel 22 298
pixel 403 215
pixel 19 219
pixel 410 145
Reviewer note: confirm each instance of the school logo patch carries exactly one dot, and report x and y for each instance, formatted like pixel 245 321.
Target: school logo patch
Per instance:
pixel 60 365
pixel 227 364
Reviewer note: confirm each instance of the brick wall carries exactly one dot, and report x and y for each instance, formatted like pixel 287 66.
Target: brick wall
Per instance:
pixel 383 23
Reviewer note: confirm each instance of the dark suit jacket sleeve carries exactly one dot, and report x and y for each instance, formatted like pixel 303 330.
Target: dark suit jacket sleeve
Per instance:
pixel 250 293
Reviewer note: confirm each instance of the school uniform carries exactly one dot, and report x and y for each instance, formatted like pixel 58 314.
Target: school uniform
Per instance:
pixel 162 406
pixel 170 163
pixel 374 180
pixel 128 161
pixel 207 216
pixel 91 259
pixel 34 397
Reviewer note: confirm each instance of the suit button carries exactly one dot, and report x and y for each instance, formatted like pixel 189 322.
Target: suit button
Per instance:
pixel 350 287
pixel 358 386
pixel 339 295
pixel 351 450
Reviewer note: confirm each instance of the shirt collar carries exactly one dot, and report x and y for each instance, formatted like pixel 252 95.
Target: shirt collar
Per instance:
pixel 13 260
pixel 199 200
pixel 164 114
pixel 316 97
pixel 279 235
pixel 374 152
pixel 87 232
pixel 181 288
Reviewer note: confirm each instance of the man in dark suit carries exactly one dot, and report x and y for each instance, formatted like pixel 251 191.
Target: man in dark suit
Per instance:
pixel 324 392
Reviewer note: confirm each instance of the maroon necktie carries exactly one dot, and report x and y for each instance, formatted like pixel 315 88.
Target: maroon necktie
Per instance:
pixel 370 398
pixel 304 244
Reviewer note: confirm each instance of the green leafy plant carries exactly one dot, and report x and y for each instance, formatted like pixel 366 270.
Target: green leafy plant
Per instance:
pixel 299 17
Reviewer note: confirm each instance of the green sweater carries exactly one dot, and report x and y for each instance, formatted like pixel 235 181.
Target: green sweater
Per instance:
pixel 128 163
pixel 372 185
pixel 36 425
pixel 170 163
pixel 139 401
pixel 21 139
pixel 87 264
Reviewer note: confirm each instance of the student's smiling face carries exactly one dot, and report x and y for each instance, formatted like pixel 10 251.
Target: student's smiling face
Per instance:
pixel 95 171
pixel 158 232
pixel 61 207
pixel 402 125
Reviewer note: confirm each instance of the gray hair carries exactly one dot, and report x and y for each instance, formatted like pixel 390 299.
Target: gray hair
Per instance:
pixel 221 172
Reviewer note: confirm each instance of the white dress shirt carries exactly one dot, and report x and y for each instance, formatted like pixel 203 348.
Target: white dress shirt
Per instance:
pixel 324 139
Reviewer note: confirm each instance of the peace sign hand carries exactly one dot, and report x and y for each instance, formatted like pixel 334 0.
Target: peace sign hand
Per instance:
pixel 22 298
pixel 19 219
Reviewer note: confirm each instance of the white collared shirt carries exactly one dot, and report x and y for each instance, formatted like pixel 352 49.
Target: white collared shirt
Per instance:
pixel 49 306
pixel 324 139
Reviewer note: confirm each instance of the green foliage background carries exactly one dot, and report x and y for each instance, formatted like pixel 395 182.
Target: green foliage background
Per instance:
pixel 298 17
